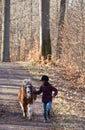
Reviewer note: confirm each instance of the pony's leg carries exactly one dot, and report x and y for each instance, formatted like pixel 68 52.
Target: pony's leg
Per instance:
pixel 22 109
pixel 25 111
pixel 30 110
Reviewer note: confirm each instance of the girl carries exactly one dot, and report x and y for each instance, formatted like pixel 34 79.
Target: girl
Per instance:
pixel 46 89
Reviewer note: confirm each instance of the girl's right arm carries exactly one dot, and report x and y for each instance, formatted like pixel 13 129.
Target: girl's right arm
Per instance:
pixel 37 92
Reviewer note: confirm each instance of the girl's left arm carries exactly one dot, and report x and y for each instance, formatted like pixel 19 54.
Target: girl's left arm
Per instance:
pixel 55 91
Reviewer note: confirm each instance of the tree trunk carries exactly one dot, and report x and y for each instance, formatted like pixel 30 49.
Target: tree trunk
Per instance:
pixel 45 42
pixel 82 32
pixel 5 50
pixel 60 28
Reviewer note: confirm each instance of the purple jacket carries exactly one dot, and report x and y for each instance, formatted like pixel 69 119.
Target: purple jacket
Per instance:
pixel 47 93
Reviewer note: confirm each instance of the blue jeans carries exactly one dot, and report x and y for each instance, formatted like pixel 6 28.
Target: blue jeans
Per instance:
pixel 46 108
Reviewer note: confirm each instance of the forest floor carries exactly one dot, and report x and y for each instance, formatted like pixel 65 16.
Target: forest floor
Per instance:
pixel 68 106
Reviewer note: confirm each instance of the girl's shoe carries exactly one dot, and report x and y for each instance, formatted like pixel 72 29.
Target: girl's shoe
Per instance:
pixel 48 112
pixel 45 121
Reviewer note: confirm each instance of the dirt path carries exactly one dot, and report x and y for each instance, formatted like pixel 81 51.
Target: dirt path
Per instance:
pixel 11 76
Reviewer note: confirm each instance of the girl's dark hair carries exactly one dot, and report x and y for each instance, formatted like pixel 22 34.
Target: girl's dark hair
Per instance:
pixel 45 78
pixel 46 83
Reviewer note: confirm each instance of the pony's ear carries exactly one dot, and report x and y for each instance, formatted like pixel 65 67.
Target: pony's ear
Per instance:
pixel 24 82
pixel 27 81
pixel 30 81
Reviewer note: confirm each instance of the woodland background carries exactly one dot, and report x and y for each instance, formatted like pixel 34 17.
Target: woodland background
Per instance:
pixel 25 32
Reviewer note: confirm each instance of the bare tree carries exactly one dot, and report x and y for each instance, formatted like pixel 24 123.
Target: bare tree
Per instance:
pixel 61 27
pixel 5 54
pixel 45 43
